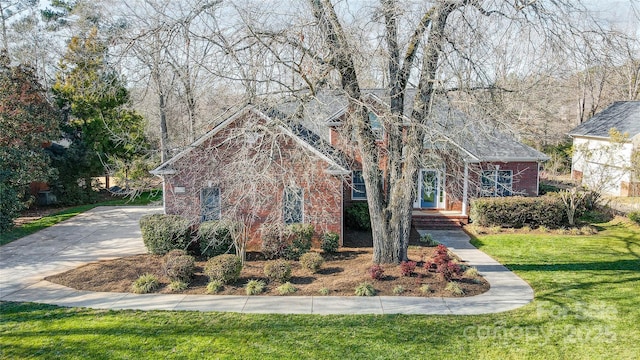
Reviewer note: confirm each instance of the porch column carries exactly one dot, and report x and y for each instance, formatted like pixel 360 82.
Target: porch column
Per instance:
pixel 465 188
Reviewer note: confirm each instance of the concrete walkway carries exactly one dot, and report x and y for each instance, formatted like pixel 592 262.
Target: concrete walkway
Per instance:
pixel 113 232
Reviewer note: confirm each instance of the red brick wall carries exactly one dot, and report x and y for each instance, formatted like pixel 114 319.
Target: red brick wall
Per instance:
pixel 525 176
pixel 255 193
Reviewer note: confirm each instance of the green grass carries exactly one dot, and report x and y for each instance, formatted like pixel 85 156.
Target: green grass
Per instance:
pixel 587 307
pixel 27 229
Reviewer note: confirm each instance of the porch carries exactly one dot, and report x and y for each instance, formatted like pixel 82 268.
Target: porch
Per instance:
pixel 438 219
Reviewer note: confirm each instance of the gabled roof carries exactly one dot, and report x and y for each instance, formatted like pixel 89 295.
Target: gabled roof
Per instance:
pixel 478 140
pixel 624 116
pixel 305 137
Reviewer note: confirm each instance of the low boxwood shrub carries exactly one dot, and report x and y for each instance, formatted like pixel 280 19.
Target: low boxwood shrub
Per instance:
pixel 163 233
pixel 277 270
pixel 634 216
pixel 357 216
pixel 330 242
pixel 311 261
pixel 215 238
pixel 225 268
pixel 518 211
pixel 145 284
pixel 178 266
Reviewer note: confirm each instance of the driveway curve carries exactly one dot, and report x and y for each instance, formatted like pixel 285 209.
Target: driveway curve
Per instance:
pixel 111 232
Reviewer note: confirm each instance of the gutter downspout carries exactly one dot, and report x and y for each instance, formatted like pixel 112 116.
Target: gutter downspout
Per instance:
pixel 465 189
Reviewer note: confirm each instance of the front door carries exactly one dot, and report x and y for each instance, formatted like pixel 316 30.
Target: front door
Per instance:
pixel 428 189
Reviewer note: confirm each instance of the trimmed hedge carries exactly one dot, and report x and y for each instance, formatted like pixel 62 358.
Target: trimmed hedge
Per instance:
pixel 225 268
pixel 518 211
pixel 163 233
pixel 214 238
pixel 177 265
pixel 288 242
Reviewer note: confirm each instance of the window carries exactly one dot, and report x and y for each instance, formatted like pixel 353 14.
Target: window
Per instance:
pixel 358 190
pixel 376 125
pixel 497 183
pixel 292 205
pixel 210 203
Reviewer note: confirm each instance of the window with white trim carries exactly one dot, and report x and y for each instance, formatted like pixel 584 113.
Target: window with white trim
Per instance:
pixel 292 205
pixel 358 189
pixel 210 203
pixel 497 183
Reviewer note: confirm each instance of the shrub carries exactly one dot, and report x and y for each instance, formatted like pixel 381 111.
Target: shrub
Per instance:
pixel 163 233
pixel 634 216
pixel 443 264
pixel 214 286
pixel 398 289
pixel 471 272
pixel 427 240
pixel 255 287
pixel 145 284
pixel 324 291
pixel 330 242
pixel 178 266
pixel 300 243
pixel 407 268
pixel 588 230
pixel 454 288
pixel 177 285
pixel 215 238
pixel 376 272
pixel 274 241
pixel 225 268
pixel 286 288
pixel 277 270
pixel 288 242
pixel 10 206
pixel 357 216
pixel 516 211
pixel 365 289
pixel 425 289
pixel 311 261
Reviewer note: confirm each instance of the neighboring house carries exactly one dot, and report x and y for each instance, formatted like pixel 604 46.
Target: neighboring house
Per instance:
pixel 603 149
pixel 291 163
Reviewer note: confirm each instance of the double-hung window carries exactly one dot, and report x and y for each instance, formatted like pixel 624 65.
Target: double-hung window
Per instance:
pixel 497 183
pixel 210 203
pixel 292 205
pixel 358 189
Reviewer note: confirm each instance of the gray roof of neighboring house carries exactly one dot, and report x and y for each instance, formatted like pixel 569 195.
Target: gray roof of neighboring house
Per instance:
pixel 622 115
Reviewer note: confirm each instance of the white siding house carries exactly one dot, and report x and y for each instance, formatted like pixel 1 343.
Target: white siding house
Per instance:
pixel 601 162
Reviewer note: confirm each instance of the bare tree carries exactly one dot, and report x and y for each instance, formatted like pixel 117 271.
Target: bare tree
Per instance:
pixel 450 48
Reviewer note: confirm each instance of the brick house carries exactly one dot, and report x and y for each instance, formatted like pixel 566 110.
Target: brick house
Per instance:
pixel 291 163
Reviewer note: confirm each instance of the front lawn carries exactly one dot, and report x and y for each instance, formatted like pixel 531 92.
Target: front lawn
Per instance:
pixel 587 307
